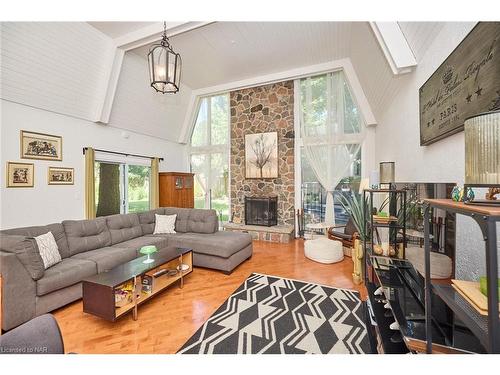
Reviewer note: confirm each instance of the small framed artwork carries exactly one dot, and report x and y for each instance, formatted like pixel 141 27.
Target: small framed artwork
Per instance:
pixel 40 146
pixel 261 155
pixel 20 174
pixel 61 176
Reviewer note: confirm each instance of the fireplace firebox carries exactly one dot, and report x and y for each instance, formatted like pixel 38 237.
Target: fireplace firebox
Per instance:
pixel 261 211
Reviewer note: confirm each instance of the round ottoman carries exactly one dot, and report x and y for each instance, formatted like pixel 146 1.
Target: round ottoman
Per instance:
pixel 324 250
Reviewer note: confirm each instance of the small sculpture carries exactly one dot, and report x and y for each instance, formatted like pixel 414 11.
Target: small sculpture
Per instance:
pixel 492 192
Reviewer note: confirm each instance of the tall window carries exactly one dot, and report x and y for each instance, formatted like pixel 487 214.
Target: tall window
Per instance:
pixel 121 184
pixel 330 144
pixel 209 155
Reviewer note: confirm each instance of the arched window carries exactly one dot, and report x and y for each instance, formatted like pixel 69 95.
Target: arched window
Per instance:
pixel 209 155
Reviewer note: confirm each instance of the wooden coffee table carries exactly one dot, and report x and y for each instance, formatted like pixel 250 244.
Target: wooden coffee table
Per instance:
pixel 99 290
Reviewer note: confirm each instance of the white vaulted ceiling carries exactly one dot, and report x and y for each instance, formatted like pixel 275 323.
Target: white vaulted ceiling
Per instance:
pixel 117 29
pixel 76 81
pixel 231 51
pixel 228 51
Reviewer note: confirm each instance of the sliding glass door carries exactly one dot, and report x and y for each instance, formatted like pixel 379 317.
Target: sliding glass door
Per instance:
pixel 121 188
pixel 108 188
pixel 138 188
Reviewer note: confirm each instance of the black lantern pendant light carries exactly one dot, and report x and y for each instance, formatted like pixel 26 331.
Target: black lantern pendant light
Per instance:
pixel 164 66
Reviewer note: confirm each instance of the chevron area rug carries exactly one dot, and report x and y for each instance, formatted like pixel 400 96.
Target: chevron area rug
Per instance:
pixel 269 314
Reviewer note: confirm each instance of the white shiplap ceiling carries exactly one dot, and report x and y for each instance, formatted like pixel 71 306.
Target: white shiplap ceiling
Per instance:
pixel 223 52
pixel 117 29
pixel 228 51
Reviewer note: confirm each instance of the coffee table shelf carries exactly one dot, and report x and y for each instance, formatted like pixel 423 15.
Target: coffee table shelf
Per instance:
pixel 99 290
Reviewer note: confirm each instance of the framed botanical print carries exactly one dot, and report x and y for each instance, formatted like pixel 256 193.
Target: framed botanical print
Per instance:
pixel 261 155
pixel 40 146
pixel 61 176
pixel 20 174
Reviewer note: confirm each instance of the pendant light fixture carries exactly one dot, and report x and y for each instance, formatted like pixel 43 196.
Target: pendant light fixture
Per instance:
pixel 164 66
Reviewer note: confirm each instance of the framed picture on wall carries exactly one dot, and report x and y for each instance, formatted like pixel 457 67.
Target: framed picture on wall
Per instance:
pixel 40 146
pixel 261 155
pixel 465 84
pixel 61 176
pixel 20 174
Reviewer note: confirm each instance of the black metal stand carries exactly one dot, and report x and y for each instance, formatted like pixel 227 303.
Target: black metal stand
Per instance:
pixel 396 205
pixel 488 334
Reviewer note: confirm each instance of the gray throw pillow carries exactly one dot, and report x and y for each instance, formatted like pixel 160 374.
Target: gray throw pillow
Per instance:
pixel 26 251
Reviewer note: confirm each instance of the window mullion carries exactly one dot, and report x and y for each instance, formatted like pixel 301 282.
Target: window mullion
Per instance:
pixel 124 196
pixel 209 121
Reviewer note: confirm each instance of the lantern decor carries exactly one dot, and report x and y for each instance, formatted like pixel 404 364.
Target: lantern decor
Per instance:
pixel 164 66
pixel 482 156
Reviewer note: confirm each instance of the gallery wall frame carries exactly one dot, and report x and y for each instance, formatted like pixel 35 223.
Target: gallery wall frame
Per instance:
pixel 40 146
pixel 19 175
pixel 60 176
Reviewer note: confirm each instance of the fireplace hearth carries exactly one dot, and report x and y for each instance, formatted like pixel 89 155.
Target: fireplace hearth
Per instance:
pixel 261 211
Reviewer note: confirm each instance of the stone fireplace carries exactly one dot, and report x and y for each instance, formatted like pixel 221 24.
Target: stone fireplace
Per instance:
pixel 261 211
pixel 255 110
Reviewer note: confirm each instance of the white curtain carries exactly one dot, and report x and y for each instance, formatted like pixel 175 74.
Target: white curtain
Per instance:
pixel 332 131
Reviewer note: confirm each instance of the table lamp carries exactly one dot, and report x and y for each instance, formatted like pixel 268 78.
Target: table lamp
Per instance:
pixel 148 250
pixel 482 155
pixel 387 172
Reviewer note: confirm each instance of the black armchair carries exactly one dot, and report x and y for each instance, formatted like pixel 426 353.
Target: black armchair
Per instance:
pixel 344 233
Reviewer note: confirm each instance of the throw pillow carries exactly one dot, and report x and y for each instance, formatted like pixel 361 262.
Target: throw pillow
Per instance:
pixel 165 224
pixel 49 251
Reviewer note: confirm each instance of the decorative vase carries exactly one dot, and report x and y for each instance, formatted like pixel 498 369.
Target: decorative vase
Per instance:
pixel 457 193
pixel 468 195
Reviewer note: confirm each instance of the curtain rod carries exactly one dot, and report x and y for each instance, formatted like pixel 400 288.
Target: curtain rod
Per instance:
pixel 122 153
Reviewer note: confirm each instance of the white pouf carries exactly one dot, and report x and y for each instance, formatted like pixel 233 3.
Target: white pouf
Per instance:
pixel 441 265
pixel 324 250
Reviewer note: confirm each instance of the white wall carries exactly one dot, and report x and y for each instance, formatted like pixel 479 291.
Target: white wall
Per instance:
pixel 58 66
pixel 398 139
pixel 442 161
pixel 54 77
pixel 44 204
pixel 139 108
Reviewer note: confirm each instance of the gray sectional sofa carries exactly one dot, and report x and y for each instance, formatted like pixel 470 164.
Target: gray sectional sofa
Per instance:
pixel 88 247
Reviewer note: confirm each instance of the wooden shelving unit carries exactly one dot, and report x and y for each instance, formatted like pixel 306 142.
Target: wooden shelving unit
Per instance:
pixel 160 283
pixel 485 328
pixel 99 290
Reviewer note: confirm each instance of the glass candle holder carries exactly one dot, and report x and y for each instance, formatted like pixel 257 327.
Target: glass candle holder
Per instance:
pixel 387 173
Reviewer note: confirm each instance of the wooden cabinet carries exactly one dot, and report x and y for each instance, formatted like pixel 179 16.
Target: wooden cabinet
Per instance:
pixel 176 189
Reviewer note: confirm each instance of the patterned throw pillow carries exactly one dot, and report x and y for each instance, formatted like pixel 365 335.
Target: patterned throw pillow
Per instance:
pixel 49 251
pixel 165 224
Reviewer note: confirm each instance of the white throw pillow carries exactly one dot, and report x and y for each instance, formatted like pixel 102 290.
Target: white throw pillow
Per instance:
pixel 49 251
pixel 165 224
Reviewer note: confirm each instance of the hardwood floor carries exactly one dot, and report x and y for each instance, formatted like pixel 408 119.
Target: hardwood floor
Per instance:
pixel 167 321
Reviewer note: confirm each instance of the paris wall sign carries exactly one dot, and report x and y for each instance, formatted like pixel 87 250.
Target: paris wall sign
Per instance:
pixel 466 83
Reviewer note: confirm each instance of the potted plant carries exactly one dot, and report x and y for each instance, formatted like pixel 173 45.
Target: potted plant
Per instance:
pixel 356 206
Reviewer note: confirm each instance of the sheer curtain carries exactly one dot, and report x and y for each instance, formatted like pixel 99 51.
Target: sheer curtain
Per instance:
pixel 332 130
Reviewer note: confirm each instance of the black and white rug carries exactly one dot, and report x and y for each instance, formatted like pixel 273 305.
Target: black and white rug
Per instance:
pixel 269 314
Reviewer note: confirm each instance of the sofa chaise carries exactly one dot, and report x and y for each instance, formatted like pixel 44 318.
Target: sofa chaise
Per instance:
pixel 88 247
